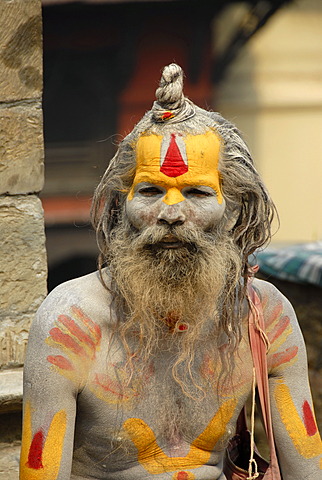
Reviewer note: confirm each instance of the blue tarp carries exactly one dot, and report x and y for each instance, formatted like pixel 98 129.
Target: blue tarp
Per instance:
pixel 297 263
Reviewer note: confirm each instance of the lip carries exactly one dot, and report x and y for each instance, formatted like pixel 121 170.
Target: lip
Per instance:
pixel 170 241
pixel 170 244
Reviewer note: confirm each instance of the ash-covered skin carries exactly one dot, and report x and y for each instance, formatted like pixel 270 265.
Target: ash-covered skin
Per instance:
pixel 93 409
pixel 199 207
pixel 193 199
pixel 102 403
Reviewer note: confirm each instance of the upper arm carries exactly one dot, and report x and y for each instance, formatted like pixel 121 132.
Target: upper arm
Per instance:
pixel 53 375
pixel 297 438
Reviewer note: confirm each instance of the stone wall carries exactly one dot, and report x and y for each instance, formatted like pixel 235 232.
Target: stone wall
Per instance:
pixel 23 262
pixel 22 240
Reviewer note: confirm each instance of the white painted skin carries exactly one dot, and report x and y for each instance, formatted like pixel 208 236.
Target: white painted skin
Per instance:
pixel 91 421
pixel 87 394
pixel 199 207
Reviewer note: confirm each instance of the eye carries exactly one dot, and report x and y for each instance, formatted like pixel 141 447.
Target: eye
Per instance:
pixel 196 192
pixel 150 191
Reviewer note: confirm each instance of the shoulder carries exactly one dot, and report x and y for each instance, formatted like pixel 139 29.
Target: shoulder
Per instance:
pixel 270 297
pixel 87 288
pixel 68 331
pixel 281 326
pixel 85 296
pixel 274 304
pixel 279 315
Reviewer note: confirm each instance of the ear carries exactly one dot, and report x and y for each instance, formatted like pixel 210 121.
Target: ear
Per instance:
pixel 231 215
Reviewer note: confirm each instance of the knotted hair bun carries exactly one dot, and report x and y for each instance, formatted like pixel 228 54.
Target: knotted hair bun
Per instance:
pixel 171 106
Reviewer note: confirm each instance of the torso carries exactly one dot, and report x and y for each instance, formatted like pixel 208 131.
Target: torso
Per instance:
pixel 135 426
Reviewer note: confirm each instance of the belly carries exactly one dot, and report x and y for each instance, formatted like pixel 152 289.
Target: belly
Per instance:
pixel 120 442
pixel 158 431
pixel 203 473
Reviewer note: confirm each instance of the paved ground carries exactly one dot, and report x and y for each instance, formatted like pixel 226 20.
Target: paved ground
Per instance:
pixel 9 461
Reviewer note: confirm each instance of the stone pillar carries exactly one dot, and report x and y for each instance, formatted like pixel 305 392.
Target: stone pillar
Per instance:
pixel 22 240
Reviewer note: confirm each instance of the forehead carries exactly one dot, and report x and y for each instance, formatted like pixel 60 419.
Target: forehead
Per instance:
pixel 177 160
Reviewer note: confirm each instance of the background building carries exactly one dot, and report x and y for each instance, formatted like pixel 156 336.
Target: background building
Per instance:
pixel 273 91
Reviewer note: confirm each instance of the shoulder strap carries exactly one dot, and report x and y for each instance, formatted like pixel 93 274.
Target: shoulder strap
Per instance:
pixel 258 345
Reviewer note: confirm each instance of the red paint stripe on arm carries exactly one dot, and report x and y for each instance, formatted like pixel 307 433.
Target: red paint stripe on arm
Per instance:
pixel 60 361
pixel 92 326
pixel 282 357
pixel 275 314
pixel 64 339
pixel 279 329
pixel 76 331
pixel 35 451
pixel 309 420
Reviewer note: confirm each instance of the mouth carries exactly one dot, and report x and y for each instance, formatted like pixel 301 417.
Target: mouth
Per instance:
pixel 170 241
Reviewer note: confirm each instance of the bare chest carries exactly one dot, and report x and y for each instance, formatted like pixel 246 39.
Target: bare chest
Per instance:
pixel 147 419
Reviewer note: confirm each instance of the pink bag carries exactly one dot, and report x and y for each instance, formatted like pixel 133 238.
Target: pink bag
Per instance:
pixel 242 460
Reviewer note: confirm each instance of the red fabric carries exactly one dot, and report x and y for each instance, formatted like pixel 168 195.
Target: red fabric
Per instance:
pixel 258 350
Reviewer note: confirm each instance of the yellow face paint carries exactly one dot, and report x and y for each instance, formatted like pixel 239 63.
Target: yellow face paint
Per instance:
pixel 154 460
pixel 304 432
pixel 40 457
pixel 175 162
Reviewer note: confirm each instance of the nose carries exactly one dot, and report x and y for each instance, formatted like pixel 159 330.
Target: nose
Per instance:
pixel 171 215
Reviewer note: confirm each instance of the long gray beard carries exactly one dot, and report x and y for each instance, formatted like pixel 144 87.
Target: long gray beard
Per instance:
pixel 158 289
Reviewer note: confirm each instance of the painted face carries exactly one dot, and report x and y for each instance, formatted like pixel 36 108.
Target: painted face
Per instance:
pixel 176 181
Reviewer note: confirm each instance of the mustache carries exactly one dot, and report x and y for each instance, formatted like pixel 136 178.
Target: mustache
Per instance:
pixel 192 237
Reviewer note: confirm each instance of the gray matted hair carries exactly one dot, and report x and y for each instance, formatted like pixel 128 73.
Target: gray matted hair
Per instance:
pixel 248 202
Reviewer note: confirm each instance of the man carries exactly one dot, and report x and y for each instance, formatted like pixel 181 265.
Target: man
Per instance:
pixel 141 370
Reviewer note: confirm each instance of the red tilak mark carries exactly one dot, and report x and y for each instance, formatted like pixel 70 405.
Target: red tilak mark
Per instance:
pixel 173 164
pixel 182 476
pixel 76 331
pixel 309 420
pixel 92 326
pixel 67 341
pixel 167 115
pixel 60 362
pixel 35 451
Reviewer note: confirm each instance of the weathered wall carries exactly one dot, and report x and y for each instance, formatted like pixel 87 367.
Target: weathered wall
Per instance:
pixel 22 241
pixel 22 254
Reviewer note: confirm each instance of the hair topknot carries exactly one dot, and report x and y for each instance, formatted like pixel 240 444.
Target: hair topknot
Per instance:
pixel 171 105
